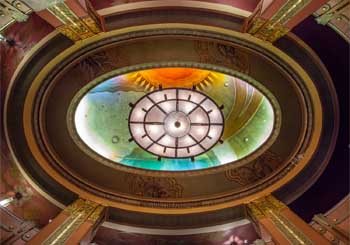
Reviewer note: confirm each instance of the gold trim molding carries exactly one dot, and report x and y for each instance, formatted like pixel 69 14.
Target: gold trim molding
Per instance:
pixel 270 207
pixel 134 6
pixel 74 28
pixel 274 28
pixel 335 14
pixel 79 212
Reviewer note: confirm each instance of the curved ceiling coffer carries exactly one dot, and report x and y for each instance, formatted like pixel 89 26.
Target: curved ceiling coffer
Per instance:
pixel 47 97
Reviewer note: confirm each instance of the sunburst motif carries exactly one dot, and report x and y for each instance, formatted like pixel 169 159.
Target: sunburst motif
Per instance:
pixel 175 78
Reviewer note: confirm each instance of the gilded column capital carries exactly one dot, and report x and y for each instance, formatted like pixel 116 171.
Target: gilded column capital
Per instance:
pixel 267 30
pixel 96 214
pixel 274 28
pixel 13 11
pixel 263 207
pixel 78 212
pixel 270 207
pixel 74 27
pixel 335 14
pixel 80 206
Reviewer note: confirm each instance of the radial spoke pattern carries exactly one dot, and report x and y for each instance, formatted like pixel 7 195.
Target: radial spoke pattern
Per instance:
pixel 176 123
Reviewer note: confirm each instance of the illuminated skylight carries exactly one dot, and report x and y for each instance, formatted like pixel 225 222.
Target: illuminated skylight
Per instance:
pixel 176 123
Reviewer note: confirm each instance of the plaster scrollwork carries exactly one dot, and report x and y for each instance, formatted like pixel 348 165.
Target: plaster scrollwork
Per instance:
pixel 155 187
pixel 335 14
pixel 17 10
pixel 258 169
pixel 12 11
pixel 329 12
pixel 274 28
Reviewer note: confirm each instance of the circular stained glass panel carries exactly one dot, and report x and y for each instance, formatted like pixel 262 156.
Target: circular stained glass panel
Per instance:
pixel 176 123
pixel 101 119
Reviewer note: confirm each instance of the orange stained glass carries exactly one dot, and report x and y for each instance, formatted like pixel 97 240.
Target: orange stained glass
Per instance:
pixel 175 77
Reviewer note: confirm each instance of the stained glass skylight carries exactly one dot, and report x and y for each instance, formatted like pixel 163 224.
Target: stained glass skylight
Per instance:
pixel 101 119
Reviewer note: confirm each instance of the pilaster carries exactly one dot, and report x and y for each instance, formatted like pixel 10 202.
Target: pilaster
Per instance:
pixel 275 220
pixel 74 224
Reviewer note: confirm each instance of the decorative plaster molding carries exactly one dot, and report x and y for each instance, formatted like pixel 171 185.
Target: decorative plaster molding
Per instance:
pixel 270 207
pixel 274 28
pixel 145 205
pixel 74 27
pixel 336 14
pixel 79 211
pixel 12 11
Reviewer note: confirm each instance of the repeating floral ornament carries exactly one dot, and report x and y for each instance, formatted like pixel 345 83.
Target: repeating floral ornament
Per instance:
pixel 154 187
pixel 254 171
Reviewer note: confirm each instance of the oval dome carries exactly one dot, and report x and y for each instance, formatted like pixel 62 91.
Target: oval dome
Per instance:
pixel 102 119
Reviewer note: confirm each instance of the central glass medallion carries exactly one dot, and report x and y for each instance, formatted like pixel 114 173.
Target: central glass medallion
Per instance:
pixel 176 123
pixel 175 128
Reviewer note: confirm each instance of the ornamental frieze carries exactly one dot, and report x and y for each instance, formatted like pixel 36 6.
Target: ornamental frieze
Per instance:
pixel 221 54
pixel 256 170
pixel 154 187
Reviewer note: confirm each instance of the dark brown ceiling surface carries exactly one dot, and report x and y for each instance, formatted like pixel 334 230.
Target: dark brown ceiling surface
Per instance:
pixel 42 93
pixel 337 172
pixel 162 16
pixel 313 65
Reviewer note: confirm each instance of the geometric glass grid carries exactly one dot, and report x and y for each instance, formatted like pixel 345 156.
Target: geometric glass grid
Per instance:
pixel 176 123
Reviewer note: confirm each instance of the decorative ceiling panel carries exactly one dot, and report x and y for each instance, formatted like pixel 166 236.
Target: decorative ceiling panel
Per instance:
pixel 101 119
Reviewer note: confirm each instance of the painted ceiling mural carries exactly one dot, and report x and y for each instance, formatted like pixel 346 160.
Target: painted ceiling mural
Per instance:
pixel 101 117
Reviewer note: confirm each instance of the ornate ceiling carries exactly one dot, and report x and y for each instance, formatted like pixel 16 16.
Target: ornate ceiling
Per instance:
pixel 53 90
pixel 74 100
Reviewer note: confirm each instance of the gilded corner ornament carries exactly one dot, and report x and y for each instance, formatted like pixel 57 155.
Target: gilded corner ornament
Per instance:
pixel 74 27
pixel 262 207
pixel 78 212
pixel 274 28
pixel 96 214
pixel 328 12
pixel 81 206
pixel 335 14
pixel 13 11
